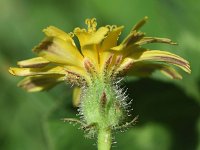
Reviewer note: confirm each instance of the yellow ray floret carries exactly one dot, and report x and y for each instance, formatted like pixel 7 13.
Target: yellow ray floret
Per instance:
pixel 100 57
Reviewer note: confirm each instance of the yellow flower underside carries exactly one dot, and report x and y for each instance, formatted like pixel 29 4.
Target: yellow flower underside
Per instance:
pixel 100 56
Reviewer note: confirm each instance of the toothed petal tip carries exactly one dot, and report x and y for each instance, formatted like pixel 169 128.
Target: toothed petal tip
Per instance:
pixel 11 71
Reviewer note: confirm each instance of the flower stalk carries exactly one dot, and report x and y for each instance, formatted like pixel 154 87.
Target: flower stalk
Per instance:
pixel 104 139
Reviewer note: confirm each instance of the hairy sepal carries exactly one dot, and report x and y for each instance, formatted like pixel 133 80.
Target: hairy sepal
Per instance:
pixel 103 105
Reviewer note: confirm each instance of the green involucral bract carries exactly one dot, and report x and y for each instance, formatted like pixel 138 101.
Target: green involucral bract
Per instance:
pixel 102 105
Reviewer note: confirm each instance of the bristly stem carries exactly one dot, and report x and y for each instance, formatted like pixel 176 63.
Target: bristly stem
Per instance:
pixel 104 139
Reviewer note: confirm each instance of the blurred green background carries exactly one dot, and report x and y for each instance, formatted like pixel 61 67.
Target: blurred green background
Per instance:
pixel 169 110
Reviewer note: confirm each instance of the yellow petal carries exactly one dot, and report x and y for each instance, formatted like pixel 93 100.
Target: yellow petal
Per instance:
pixel 76 96
pixel 83 36
pixel 52 31
pixel 90 42
pixel 96 37
pixel 58 47
pixel 166 57
pixel 161 56
pixel 40 82
pixel 133 37
pixel 144 69
pixel 147 40
pixel 33 62
pixel 111 39
pixel 129 41
pixel 140 24
pixel 90 38
pixel 37 71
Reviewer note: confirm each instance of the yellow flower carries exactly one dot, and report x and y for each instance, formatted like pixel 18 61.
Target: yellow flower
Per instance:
pixel 100 56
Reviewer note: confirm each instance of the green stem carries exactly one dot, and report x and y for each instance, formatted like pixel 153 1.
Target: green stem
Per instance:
pixel 104 139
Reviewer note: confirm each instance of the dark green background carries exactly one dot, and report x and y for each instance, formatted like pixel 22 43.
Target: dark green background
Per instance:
pixel 169 110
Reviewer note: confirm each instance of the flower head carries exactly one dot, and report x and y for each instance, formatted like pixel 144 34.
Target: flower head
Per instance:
pixel 100 56
pixel 94 69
